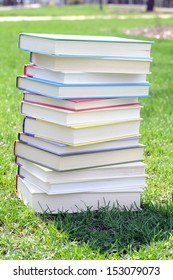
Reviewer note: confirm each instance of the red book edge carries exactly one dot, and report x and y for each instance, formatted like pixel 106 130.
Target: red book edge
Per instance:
pixel 79 110
pixel 25 69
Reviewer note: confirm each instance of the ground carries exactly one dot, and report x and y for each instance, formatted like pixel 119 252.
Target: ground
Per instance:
pixel 163 32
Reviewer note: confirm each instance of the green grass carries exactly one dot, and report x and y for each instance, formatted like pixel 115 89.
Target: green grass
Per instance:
pixel 144 234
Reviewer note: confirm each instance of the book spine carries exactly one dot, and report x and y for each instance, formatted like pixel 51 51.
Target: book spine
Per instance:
pixel 15 147
pixel 23 126
pixel 26 66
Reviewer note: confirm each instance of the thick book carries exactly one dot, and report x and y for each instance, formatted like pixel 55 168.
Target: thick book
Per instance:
pixel 77 161
pixel 127 65
pixel 110 184
pixel 71 118
pixel 68 91
pixel 58 147
pixel 81 135
pixel 83 104
pixel 32 70
pixel 88 174
pixel 41 202
pixel 82 45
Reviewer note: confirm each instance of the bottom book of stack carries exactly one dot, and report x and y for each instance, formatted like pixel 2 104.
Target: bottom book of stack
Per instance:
pixel 52 191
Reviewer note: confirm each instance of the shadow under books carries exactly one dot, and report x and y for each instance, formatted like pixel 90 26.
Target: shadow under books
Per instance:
pixel 116 230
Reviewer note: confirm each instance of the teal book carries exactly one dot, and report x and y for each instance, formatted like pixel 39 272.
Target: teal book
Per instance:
pixel 82 45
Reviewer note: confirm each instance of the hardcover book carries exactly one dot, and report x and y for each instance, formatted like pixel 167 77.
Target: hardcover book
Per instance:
pixel 67 91
pixel 79 104
pixel 60 44
pixel 74 202
pixel 72 118
pixel 77 161
pixel 32 70
pixel 110 184
pixel 126 65
pixel 88 174
pixel 59 148
pixel 81 135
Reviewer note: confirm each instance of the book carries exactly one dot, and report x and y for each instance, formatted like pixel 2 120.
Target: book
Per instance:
pixel 67 91
pixel 83 104
pixel 82 45
pixel 127 65
pixel 72 118
pixel 87 174
pixel 101 184
pixel 32 70
pixel 41 202
pixel 58 147
pixel 81 135
pixel 77 161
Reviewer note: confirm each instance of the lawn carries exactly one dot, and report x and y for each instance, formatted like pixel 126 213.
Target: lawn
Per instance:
pixel 104 234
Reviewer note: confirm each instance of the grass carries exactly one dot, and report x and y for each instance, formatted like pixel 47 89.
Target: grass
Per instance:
pixel 104 234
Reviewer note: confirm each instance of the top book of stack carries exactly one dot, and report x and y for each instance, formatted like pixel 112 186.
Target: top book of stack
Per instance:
pixel 84 46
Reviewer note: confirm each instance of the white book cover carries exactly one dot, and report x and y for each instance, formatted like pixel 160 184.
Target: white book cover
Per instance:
pixel 41 202
pixel 109 184
pixel 103 172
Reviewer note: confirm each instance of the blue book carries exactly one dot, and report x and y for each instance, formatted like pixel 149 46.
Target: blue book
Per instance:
pixel 71 91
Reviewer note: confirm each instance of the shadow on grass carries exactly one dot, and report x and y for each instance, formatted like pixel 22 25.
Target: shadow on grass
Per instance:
pixel 115 230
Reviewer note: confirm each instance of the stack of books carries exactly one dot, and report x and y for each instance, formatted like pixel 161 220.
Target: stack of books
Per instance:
pixel 80 144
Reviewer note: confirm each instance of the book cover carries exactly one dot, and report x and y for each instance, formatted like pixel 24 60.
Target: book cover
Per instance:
pixel 41 202
pixel 83 104
pixel 127 65
pixel 86 117
pixel 111 184
pixel 81 135
pixel 77 161
pixel 62 148
pixel 88 174
pixel 78 77
pixel 68 91
pixel 82 45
